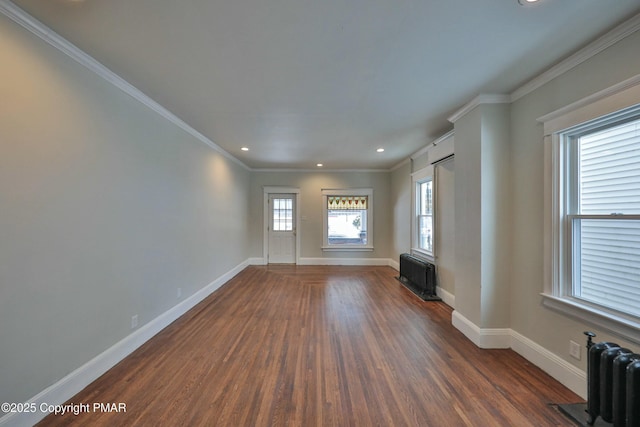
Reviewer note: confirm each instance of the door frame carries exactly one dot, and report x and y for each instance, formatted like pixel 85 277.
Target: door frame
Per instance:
pixel 266 191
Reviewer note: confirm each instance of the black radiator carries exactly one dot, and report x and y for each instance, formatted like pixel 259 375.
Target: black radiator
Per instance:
pixel 419 277
pixel 613 378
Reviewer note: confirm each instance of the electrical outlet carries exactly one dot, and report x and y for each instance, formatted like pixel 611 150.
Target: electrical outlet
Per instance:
pixel 179 293
pixel 134 321
pixel 574 350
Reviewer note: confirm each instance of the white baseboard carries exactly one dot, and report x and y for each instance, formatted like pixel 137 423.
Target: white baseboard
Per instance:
pixel 72 384
pixel 482 337
pixel 345 261
pixel 567 374
pixel 58 393
pixel 335 261
pixel 570 376
pixel 447 297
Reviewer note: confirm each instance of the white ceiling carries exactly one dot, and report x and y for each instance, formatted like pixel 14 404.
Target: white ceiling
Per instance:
pixel 307 81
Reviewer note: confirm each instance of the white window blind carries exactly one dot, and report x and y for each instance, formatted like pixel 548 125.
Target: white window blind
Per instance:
pixel 606 229
pixel 610 170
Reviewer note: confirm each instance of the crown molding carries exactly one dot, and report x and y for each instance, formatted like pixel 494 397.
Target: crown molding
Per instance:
pixel 480 100
pixel 433 143
pixel 399 165
pixel 609 39
pixel 630 83
pixel 318 170
pixel 28 22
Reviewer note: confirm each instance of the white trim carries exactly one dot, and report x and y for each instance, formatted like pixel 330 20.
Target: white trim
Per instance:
pixel 326 192
pixel 399 165
pixel 348 261
pixel 45 33
pixel 617 97
pixel 555 260
pixel 479 100
pixel 447 297
pixel 280 190
pixel 567 374
pixel 34 26
pixel 481 337
pixel 443 150
pixel 434 143
pixel 73 383
pixel 266 191
pixel 422 254
pixel 424 150
pixel 609 39
pixel 423 175
pixel 601 107
pixel 345 248
pixel 617 325
pixel 318 170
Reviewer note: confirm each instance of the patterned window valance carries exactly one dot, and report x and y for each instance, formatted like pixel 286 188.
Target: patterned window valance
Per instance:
pixel 347 202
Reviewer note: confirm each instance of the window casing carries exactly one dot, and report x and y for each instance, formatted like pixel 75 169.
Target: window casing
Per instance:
pixel 347 219
pixel 423 213
pixel 592 210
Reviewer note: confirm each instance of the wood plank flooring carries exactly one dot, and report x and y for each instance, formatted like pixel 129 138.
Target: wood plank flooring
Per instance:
pixel 320 346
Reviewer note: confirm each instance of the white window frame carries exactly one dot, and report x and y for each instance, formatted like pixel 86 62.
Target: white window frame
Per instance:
pixel 326 246
pixel 421 176
pixel 600 108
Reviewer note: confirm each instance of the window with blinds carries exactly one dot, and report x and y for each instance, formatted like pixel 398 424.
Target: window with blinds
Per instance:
pixel 605 221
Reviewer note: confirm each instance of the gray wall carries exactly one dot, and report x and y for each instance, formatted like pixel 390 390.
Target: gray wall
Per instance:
pixel 401 201
pixel 310 185
pixel 445 229
pixel 499 240
pixel 106 209
pixel 467 216
pixel 548 328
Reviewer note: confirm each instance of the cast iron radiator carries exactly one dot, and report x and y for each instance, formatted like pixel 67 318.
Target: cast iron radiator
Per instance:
pixel 613 378
pixel 419 277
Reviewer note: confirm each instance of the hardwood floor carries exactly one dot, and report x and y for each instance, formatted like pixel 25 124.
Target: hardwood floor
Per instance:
pixel 323 346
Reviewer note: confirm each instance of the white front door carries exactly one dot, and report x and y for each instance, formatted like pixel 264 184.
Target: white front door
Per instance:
pixel 282 229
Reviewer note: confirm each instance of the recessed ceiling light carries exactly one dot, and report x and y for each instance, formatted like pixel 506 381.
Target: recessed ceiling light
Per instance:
pixel 526 2
pixel 319 165
pixel 380 150
pixel 245 149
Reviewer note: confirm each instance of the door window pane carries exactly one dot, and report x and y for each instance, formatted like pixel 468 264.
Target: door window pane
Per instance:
pixel 282 215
